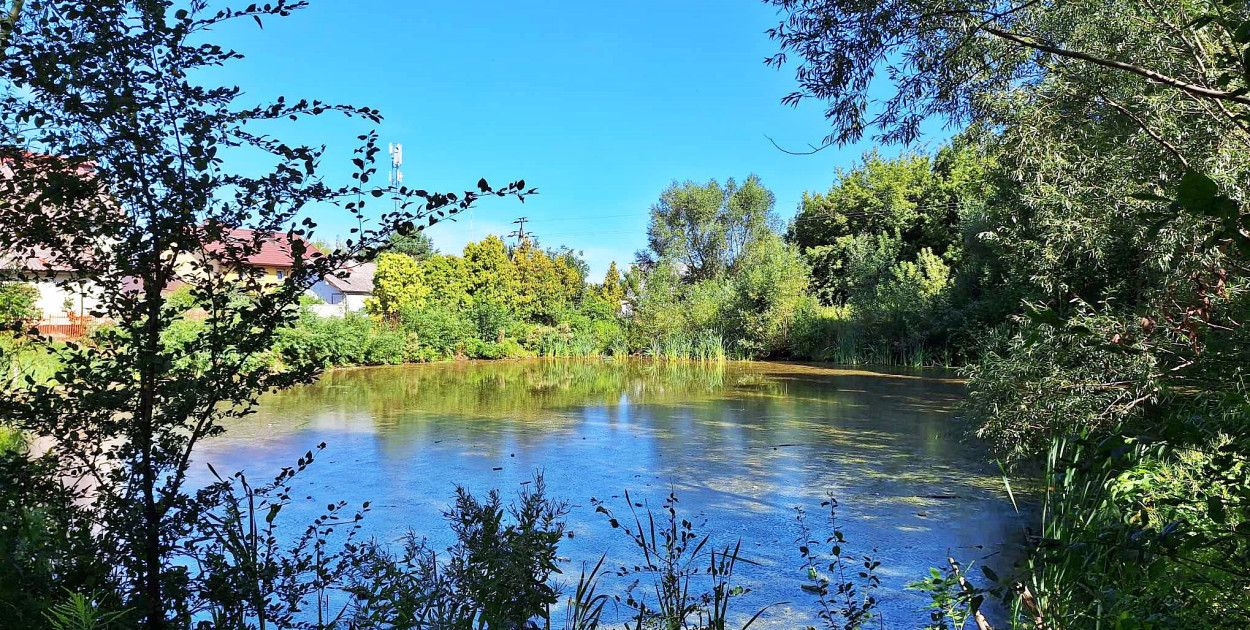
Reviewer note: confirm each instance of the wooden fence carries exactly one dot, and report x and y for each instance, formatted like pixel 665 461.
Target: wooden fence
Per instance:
pixel 67 327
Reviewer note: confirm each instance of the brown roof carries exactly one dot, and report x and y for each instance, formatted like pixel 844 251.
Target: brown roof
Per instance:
pixel 275 248
pixel 39 260
pixel 359 279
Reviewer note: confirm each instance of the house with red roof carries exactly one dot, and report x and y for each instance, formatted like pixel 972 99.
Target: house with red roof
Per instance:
pixel 65 293
pixel 62 292
pixel 274 257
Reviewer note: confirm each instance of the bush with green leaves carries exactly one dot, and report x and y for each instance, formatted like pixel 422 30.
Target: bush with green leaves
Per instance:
pixel 18 303
pixel 49 549
pixel 1047 378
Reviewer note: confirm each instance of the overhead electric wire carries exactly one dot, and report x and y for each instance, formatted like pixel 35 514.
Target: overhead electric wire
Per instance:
pixel 822 216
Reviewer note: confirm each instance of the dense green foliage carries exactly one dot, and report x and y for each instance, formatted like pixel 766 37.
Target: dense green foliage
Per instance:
pixel 17 302
pixel 492 302
pixel 417 245
pixel 498 301
pixel 1103 264
pixel 115 175
pixel 892 243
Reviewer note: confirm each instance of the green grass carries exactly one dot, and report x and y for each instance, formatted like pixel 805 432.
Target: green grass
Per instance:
pixel 11 439
pixel 707 347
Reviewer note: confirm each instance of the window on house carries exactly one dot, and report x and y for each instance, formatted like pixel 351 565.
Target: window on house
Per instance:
pixel 281 274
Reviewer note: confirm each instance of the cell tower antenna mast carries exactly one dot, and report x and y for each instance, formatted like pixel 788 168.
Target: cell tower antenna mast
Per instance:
pixel 396 176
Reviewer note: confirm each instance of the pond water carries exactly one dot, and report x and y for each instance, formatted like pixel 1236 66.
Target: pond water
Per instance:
pixel 741 445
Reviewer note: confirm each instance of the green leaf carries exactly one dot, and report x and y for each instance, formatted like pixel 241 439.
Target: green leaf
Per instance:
pixel 1196 191
pixel 1154 229
pixel 1242 34
pixel 1202 21
pixel 1215 509
pixel 1042 315
pixel 989 573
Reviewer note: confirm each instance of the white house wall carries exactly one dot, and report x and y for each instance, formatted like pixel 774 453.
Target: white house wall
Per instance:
pixel 355 301
pixel 337 303
pixel 327 293
pixel 52 296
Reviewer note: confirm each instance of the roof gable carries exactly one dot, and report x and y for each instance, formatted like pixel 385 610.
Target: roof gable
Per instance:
pixel 359 279
pixel 275 248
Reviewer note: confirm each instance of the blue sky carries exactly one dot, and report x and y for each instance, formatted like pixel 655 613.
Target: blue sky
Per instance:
pixel 598 105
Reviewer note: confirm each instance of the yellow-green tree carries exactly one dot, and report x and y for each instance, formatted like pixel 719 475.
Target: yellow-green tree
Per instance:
pixel 398 285
pixel 536 281
pixel 491 274
pixel 546 282
pixel 571 275
pixel 448 280
pixel 612 290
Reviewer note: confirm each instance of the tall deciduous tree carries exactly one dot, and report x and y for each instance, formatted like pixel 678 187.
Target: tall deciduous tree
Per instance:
pixel 417 245
pixel 954 58
pixel 118 169
pixel 1122 130
pixel 492 276
pixel 706 228
pixel 915 201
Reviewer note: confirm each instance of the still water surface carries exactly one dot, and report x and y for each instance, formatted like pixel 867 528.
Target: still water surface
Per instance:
pixel 741 444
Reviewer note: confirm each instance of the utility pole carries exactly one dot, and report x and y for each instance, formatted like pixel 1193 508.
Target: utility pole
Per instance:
pixel 519 233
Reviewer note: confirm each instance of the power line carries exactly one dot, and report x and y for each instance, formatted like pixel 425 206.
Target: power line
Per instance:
pixel 595 233
pixel 593 217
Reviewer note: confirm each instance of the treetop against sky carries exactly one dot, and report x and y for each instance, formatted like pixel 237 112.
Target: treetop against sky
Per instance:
pixel 598 106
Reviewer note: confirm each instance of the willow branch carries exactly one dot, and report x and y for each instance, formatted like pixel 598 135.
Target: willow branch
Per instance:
pixel 1146 128
pixel 1157 77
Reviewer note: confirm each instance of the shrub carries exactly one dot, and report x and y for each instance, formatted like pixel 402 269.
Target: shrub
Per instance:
pixel 489 318
pixel 767 293
pixel 11 440
pixel 1037 381
pixel 386 346
pixel 441 330
pixel 47 544
pixel 330 341
pixel 905 303
pixel 17 302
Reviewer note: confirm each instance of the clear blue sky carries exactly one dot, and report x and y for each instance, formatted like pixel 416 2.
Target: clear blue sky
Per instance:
pixel 599 105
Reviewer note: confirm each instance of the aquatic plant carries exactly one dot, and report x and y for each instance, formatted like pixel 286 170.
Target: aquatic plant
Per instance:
pixel 846 596
pixel 682 581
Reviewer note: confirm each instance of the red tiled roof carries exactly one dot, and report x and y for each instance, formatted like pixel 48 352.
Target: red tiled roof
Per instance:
pixel 275 248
